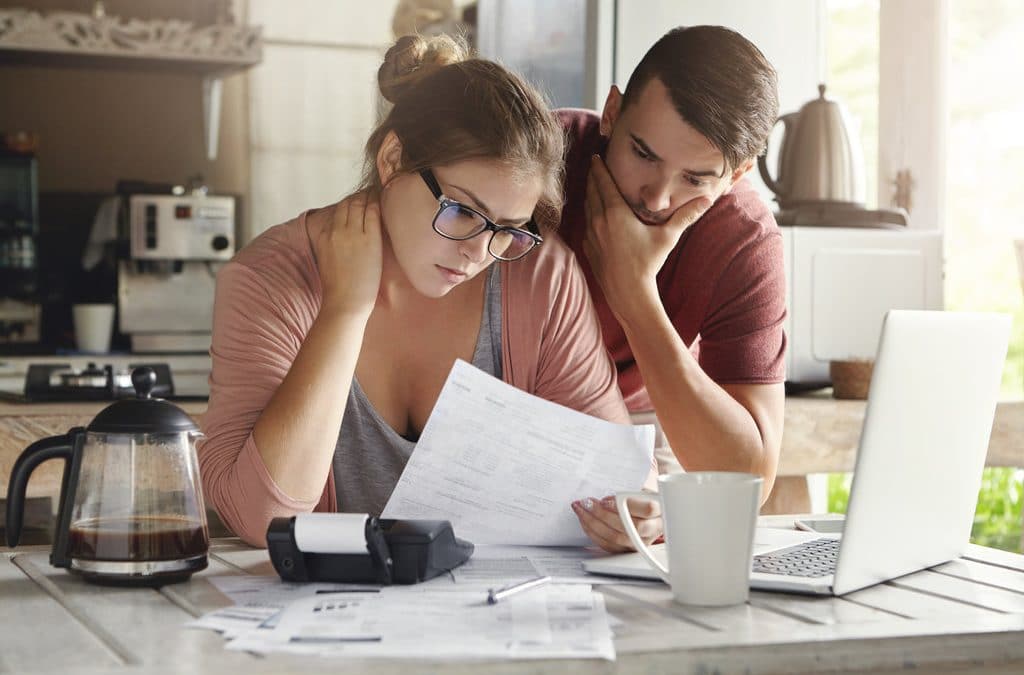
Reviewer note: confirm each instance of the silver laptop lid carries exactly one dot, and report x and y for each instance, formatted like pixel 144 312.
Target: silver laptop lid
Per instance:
pixel 922 449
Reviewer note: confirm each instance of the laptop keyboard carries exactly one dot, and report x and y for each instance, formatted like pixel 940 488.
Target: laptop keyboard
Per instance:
pixel 816 558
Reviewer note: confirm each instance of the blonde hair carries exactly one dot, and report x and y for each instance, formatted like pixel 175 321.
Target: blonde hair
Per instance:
pixel 450 107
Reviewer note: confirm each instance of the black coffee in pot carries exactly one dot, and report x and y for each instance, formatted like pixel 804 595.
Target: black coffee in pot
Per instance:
pixel 137 538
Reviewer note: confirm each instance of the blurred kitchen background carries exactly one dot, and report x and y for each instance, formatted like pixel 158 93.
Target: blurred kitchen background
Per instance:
pixel 144 141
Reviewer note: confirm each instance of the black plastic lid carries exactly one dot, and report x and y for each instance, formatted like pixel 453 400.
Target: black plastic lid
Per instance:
pixel 143 414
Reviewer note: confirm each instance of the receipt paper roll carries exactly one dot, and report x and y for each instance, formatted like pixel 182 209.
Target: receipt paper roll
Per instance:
pixel 331 532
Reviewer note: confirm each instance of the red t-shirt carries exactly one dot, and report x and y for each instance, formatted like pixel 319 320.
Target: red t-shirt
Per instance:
pixel 723 285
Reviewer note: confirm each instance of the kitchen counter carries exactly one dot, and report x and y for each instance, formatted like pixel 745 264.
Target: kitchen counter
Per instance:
pixel 190 372
pixel 821 436
pixel 21 424
pixel 82 409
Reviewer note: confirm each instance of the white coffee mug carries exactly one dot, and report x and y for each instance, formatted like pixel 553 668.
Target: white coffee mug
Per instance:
pixel 710 518
pixel 93 326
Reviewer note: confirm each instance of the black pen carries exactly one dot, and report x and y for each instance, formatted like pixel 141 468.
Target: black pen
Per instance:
pixel 494 595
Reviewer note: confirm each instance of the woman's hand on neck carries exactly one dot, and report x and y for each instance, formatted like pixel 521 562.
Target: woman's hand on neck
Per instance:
pixel 349 254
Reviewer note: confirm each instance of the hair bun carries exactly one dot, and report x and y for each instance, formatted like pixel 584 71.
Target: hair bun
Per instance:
pixel 414 57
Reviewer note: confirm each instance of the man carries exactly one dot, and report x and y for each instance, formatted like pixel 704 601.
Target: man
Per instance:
pixel 682 257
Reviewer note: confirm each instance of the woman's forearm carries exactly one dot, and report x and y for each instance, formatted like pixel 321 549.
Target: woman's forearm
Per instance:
pixel 296 433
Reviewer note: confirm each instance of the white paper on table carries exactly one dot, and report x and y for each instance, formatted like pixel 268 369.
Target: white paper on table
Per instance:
pixel 556 621
pixel 259 599
pixel 495 566
pixel 504 466
pixel 269 591
pixel 234 621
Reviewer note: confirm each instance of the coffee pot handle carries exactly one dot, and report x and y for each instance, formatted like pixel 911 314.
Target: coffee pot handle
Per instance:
pixel 776 184
pixel 634 536
pixel 30 458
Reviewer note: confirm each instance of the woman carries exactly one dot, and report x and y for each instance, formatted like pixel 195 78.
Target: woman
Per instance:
pixel 350 317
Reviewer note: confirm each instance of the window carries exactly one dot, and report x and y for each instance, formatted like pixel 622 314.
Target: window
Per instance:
pixel 851 58
pixel 986 163
pixel 979 203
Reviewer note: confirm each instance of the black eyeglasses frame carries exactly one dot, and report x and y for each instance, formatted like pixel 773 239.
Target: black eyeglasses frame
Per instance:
pixel 445 202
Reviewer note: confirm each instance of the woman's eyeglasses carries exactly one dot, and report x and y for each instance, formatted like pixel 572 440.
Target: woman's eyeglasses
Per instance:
pixel 455 220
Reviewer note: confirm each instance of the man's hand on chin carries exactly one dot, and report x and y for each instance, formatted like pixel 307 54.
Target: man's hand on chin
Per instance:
pixel 624 253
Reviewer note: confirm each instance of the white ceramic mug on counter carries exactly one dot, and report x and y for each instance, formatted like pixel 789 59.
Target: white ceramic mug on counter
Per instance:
pixel 93 325
pixel 710 518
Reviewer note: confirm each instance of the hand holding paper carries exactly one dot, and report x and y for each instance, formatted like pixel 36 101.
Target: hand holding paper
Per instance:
pixel 600 520
pixel 504 466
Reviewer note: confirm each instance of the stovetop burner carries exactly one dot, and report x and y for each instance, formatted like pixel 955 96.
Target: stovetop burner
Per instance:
pixel 61 382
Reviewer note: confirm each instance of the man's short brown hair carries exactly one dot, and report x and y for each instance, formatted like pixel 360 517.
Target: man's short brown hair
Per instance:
pixel 719 82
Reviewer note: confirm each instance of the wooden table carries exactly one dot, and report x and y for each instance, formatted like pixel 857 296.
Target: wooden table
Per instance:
pixel 967 613
pixel 821 435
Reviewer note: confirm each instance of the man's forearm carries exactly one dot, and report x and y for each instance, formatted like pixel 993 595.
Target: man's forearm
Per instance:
pixel 705 426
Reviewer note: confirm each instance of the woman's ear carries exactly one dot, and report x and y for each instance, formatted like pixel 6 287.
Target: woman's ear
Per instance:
pixel 389 157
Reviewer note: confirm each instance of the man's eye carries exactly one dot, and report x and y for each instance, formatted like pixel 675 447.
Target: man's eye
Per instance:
pixel 695 182
pixel 641 154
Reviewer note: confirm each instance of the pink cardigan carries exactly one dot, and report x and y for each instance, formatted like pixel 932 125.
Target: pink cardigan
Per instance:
pixel 269 295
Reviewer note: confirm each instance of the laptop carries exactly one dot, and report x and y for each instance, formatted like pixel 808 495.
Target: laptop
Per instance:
pixel 922 450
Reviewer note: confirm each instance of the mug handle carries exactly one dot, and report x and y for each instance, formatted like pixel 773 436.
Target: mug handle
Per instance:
pixel 634 536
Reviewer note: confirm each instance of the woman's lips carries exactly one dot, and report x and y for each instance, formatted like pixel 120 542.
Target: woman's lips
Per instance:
pixel 452 275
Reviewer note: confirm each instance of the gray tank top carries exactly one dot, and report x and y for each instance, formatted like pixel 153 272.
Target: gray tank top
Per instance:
pixel 369 456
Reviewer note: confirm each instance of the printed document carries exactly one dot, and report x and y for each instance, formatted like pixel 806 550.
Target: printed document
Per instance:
pixel 494 566
pixel 259 599
pixel 557 621
pixel 445 617
pixel 504 466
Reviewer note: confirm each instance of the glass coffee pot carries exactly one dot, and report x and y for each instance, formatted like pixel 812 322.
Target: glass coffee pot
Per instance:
pixel 131 503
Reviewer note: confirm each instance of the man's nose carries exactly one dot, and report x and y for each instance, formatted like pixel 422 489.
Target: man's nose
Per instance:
pixel 656 196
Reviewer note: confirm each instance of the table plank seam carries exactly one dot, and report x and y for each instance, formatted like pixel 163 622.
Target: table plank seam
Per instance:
pixel 867 605
pixel 934 594
pixel 674 612
pixel 980 582
pixel 768 607
pixel 116 649
pixel 993 563
pixel 181 601
pixel 228 563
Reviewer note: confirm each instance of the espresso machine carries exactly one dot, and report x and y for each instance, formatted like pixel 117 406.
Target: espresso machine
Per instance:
pixel 167 272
